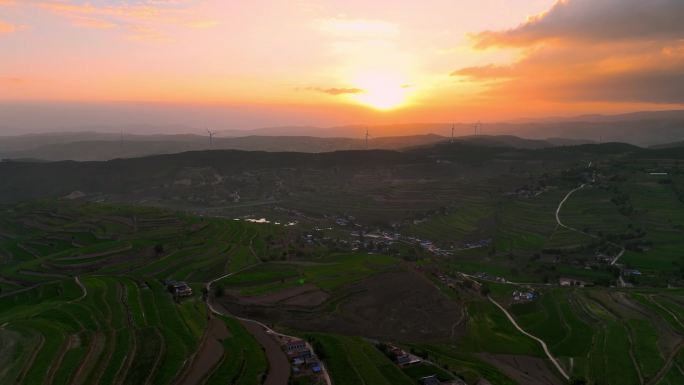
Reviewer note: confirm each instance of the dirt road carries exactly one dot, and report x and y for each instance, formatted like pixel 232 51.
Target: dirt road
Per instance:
pixel 279 366
pixel 541 342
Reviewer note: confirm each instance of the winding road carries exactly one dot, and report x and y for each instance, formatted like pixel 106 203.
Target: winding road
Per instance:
pixel 83 288
pixel 539 340
pixel 279 371
pixel 560 205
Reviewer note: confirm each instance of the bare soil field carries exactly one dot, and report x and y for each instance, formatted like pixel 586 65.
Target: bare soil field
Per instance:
pixel 398 305
pixel 523 369
pixel 306 296
pixel 309 299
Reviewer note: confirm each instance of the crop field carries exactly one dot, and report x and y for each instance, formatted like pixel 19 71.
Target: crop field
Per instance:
pixel 83 300
pixel 607 336
pixel 327 273
pixel 354 361
pixel 84 296
pixel 113 329
pixel 243 362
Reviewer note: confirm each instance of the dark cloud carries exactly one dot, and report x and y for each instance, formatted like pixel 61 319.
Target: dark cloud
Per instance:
pixel 593 20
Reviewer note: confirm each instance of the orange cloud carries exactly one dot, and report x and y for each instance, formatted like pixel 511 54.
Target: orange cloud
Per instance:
pixel 590 51
pixel 11 80
pixel 7 27
pixel 139 19
pixel 336 91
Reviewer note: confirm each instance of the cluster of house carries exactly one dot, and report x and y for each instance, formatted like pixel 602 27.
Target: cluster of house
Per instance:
pixel 524 295
pixel 375 241
pixel 345 220
pixel 488 277
pixel 404 358
pixel 527 191
pixel 603 258
pixel 433 380
pixel 459 281
pixel 476 244
pixel 302 358
pixel 428 245
pixel 178 288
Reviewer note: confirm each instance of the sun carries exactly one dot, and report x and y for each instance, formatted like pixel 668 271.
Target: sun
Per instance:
pixel 380 91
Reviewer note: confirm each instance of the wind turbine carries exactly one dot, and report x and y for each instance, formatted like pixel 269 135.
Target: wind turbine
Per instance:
pixel 478 128
pixel 452 132
pixel 367 136
pixel 121 144
pixel 211 137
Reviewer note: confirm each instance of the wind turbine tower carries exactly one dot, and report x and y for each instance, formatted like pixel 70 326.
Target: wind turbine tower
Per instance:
pixel 367 138
pixel 121 144
pixel 452 132
pixel 211 137
pixel 478 128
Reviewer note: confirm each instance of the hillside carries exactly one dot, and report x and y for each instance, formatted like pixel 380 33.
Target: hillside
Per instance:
pixel 678 144
pixel 106 147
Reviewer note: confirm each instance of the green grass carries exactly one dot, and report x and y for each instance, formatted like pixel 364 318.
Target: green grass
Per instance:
pixel 645 347
pixel 552 319
pixel 491 331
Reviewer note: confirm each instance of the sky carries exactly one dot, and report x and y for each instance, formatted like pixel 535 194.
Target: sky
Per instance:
pixel 71 64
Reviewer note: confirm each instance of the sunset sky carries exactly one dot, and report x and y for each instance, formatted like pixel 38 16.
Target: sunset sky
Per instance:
pixel 247 64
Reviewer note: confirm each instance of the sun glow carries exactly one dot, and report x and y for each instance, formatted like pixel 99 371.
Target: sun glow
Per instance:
pixel 381 91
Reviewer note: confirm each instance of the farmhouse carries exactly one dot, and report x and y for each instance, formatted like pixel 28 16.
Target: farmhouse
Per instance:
pixel 524 295
pixel 570 282
pixel 179 288
pixel 400 356
pixel 295 346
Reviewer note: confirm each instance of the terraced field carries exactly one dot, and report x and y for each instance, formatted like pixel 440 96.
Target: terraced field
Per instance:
pixel 606 336
pixel 83 300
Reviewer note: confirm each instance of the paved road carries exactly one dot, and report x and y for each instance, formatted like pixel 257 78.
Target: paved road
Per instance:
pixel 540 341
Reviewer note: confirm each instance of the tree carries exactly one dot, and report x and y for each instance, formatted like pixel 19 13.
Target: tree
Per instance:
pixel 158 249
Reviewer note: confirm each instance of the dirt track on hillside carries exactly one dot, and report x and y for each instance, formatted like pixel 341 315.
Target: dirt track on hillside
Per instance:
pixel 209 353
pixel 279 366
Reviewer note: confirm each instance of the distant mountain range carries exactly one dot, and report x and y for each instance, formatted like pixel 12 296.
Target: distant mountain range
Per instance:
pixel 96 147
pixel 201 173
pixel 640 128
pixel 645 128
